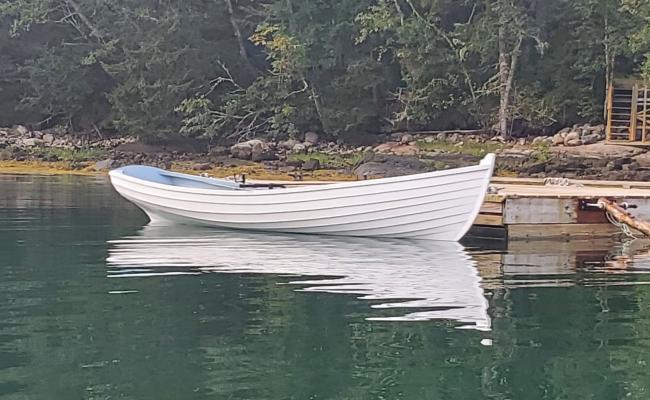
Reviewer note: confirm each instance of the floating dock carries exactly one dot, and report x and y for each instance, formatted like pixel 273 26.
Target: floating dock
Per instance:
pixel 527 209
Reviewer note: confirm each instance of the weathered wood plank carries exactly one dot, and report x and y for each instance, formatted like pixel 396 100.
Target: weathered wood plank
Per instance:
pixel 492 208
pixel 566 231
pixel 583 182
pixel 540 211
pixel 489 219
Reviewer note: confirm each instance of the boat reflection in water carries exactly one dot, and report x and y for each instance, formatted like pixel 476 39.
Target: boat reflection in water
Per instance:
pixel 434 280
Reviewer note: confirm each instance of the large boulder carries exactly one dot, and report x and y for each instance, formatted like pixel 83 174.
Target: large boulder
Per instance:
pixel 22 130
pixel 558 139
pixel 643 160
pixel 48 139
pixel 252 149
pixel 311 165
pixel 202 167
pixel 311 137
pixel 571 137
pixel 590 138
pixel 105 165
pixel 601 150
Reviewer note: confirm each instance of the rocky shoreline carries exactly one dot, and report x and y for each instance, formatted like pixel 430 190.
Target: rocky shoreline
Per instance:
pixel 576 152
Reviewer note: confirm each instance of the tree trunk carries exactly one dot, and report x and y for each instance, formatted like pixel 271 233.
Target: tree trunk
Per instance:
pixel 508 61
pixel 77 9
pixel 504 74
pixel 240 39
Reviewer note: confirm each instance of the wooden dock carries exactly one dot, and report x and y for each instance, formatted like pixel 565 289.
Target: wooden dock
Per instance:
pixel 526 209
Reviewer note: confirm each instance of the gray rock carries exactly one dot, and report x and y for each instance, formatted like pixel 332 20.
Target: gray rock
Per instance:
pixel 48 139
pixel 311 137
pixel 288 144
pixel 558 140
pixel 299 148
pixel 599 129
pixel 105 165
pixel 241 151
pixel 590 138
pixel 573 135
pixel 265 155
pixel 406 138
pixel 258 148
pixel 22 130
pixel 248 150
pixel 201 167
pixel 536 168
pixel 573 142
pixel 441 136
pixel 5 155
pixel 389 165
pixel 311 165
pixel 31 142
pixel 538 140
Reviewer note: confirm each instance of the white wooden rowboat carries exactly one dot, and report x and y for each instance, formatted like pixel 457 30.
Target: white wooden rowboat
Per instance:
pixel 438 205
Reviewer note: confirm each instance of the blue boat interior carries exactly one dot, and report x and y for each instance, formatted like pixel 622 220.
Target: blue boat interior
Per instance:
pixel 161 176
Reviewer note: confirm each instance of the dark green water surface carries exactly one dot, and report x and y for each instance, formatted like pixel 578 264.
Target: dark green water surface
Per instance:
pixel 94 304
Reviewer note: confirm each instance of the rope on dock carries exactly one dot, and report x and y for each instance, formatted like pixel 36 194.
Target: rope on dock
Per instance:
pixel 624 228
pixel 620 217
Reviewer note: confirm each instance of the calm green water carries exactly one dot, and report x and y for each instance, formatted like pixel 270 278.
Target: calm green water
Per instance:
pixel 93 306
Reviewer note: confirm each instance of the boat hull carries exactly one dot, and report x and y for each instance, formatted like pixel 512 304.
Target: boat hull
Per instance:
pixel 437 206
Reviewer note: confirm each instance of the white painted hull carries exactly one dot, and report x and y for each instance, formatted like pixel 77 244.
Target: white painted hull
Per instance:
pixel 437 205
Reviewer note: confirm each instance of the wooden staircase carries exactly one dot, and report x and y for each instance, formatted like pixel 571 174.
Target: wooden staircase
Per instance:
pixel 628 114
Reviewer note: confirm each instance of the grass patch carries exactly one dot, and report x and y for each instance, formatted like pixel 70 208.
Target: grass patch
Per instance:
pixel 470 148
pixel 332 160
pixel 40 168
pixel 70 155
pixel 435 165
pixel 542 152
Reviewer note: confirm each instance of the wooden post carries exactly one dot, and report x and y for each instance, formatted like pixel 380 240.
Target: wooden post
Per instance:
pixel 634 112
pixel 622 216
pixel 644 113
pixel 610 105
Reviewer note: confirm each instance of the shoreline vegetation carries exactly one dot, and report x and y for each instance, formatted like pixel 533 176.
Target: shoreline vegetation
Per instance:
pixel 578 152
pixel 358 74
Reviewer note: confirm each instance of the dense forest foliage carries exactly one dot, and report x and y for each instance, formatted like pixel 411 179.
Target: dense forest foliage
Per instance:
pixel 243 68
